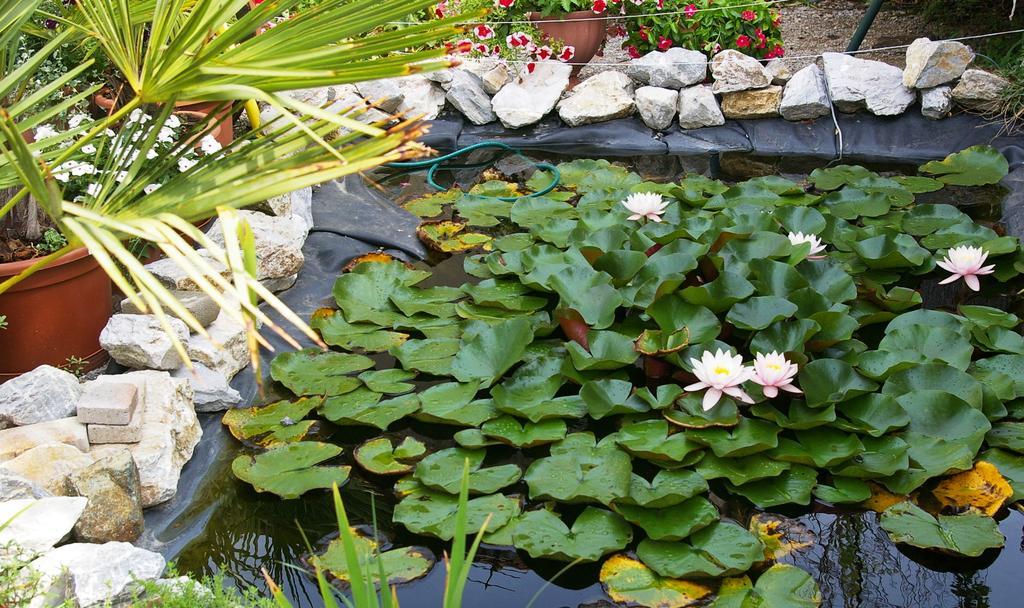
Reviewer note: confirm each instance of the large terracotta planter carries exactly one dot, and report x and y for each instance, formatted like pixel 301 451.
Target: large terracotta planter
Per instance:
pixel 224 132
pixel 582 29
pixel 55 314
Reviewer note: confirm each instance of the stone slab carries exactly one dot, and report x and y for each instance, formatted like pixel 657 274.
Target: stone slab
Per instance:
pixel 106 401
pixel 100 434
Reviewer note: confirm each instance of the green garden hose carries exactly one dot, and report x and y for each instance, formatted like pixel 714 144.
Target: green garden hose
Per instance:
pixel 433 165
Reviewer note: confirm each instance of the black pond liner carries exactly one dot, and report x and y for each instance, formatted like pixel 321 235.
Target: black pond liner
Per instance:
pixel 352 218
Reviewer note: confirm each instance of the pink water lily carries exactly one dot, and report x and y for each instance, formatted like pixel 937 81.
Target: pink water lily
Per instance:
pixel 966 263
pixel 774 372
pixel 721 374
pixel 645 205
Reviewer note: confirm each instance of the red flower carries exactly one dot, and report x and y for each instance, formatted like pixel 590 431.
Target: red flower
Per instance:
pixel 464 46
pixel 483 32
pixel 617 30
pixel 504 3
pixel 743 41
pixel 779 51
pixel 690 11
pixel 644 36
pixel 748 15
pixel 482 48
pixel 664 43
pixel 517 39
pixel 530 67
pixel 567 54
pixel 544 52
pixel 600 6
pixel 633 52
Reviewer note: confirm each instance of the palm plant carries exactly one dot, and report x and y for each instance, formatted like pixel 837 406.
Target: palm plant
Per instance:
pixel 182 50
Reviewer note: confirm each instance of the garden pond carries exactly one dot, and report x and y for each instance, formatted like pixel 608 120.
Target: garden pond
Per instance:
pixel 549 341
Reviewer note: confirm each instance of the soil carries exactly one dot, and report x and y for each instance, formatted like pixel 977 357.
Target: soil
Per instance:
pixel 15 250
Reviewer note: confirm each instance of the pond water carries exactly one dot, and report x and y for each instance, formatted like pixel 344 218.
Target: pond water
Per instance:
pixel 853 560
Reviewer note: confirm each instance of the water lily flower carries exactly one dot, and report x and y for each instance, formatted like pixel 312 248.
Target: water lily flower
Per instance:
pixel 799 238
pixel 966 263
pixel 774 372
pixel 647 205
pixel 721 374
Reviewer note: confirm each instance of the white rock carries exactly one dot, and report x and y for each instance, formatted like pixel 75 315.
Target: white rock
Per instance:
pixel 225 351
pixel 49 465
pixel 384 93
pixel 19 440
pixel 348 102
pixel 14 486
pixel 45 393
pixel 734 71
pixel 604 96
pixel 980 91
pixel 698 108
pixel 210 389
pixel 298 203
pixel 495 78
pixel 101 573
pixel 806 96
pixel 202 306
pixel 170 433
pixel 278 285
pixel 139 341
pixel 38 525
pixel 466 94
pixel 529 97
pixel 779 71
pixel 657 106
pixel 441 77
pixel 936 103
pixel 279 243
pixel 422 97
pixel 675 68
pixel 930 64
pixel 173 277
pixel 863 84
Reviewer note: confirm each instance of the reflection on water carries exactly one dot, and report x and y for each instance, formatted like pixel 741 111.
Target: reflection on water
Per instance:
pixel 854 562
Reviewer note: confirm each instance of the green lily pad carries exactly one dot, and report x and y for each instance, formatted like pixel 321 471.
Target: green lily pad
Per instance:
pixel 669 487
pixel 488 351
pixel 433 356
pixel 453 403
pixel 675 522
pixel 366 408
pixel 388 381
pixel 881 457
pixel 316 372
pixel 630 583
pixel 721 549
pixel 975 166
pixel 433 513
pixel 654 440
pixel 689 413
pixel 450 237
pixel 520 434
pixel 609 397
pixel 509 295
pixel 748 437
pixel 791 487
pixel 827 381
pixel 366 337
pixel 844 490
pixel 608 350
pixel 833 178
pixel 364 293
pixel 760 312
pixel 721 294
pixel 970 534
pixel 291 470
pixel 382 457
pixel 274 419
pixel 400 565
pixel 741 470
pixel 443 471
pixel 1010 466
pixel 1008 435
pixel 594 534
pixel 654 342
pixel 580 469
pixel 784 585
pixel 571 406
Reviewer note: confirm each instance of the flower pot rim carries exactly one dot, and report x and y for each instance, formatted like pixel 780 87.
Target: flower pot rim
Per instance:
pixel 16 268
pixel 535 16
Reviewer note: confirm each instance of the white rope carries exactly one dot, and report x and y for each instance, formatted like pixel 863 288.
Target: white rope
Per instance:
pixel 859 52
pixel 620 16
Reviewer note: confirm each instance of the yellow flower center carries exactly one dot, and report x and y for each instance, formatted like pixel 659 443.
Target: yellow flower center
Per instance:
pixel 774 366
pixel 722 371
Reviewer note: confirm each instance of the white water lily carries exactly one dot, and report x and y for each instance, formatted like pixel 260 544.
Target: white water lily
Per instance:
pixel 799 238
pixel 720 373
pixel 647 205
pixel 774 372
pixel 967 263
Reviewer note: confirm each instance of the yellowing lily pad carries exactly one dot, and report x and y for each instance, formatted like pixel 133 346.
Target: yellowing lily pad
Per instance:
pixel 780 535
pixel 450 237
pixel 981 488
pixel 272 424
pixel 881 499
pixel 399 565
pixel 630 583
pixel 431 205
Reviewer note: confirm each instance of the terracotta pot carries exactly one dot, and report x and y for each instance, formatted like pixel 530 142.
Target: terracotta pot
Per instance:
pixel 584 31
pixel 224 132
pixel 55 314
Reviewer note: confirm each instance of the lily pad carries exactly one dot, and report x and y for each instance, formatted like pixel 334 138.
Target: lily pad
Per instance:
pixel 388 381
pixel 453 403
pixel 982 489
pixel 669 487
pixel 316 372
pixel 675 522
pixel 630 583
pixel 488 351
pixel 975 166
pixel 781 536
pixel 748 437
pixel 451 237
pixel 520 434
pixel 365 337
pixel 366 408
pixel 291 470
pixel 721 549
pixel 443 471
pixel 595 533
pixel 580 469
pixel 784 585
pixel 970 534
pixel 270 419
pixel 431 356
pixel 400 565
pixel 791 487
pixel 741 471
pixel 382 457
pixel 433 513
pixel 844 490
pixel 654 440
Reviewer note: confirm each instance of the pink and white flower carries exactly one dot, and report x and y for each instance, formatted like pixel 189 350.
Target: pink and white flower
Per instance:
pixel 967 263
pixel 544 53
pixel 567 54
pixel 690 11
pixel 504 3
pixel 774 373
pixel 599 6
pixel 484 31
pixel 645 205
pixel 721 374
pixel 518 39
pixel 799 238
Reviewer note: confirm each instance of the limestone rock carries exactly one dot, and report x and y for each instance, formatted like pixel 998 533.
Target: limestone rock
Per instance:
pixel 466 93
pixel 698 108
pixel 734 71
pixel 604 96
pixel 422 97
pixel 930 64
pixel 528 98
pixel 225 351
pixel 139 341
pixel 349 102
pixel 279 243
pixel 38 525
pixel 202 307
pixel 14 486
pixel 101 573
pixel 937 103
pixel 757 103
pixel 173 277
pixel 495 78
pixel 675 68
pixel 384 94
pixel 114 511
pixel 16 441
pixel 298 203
pixel 980 91
pixel 49 465
pixel 45 393
pixel 279 285
pixel 210 388
pixel 806 96
pixel 657 106
pixel 170 433
pixel 863 84
pixel 779 71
